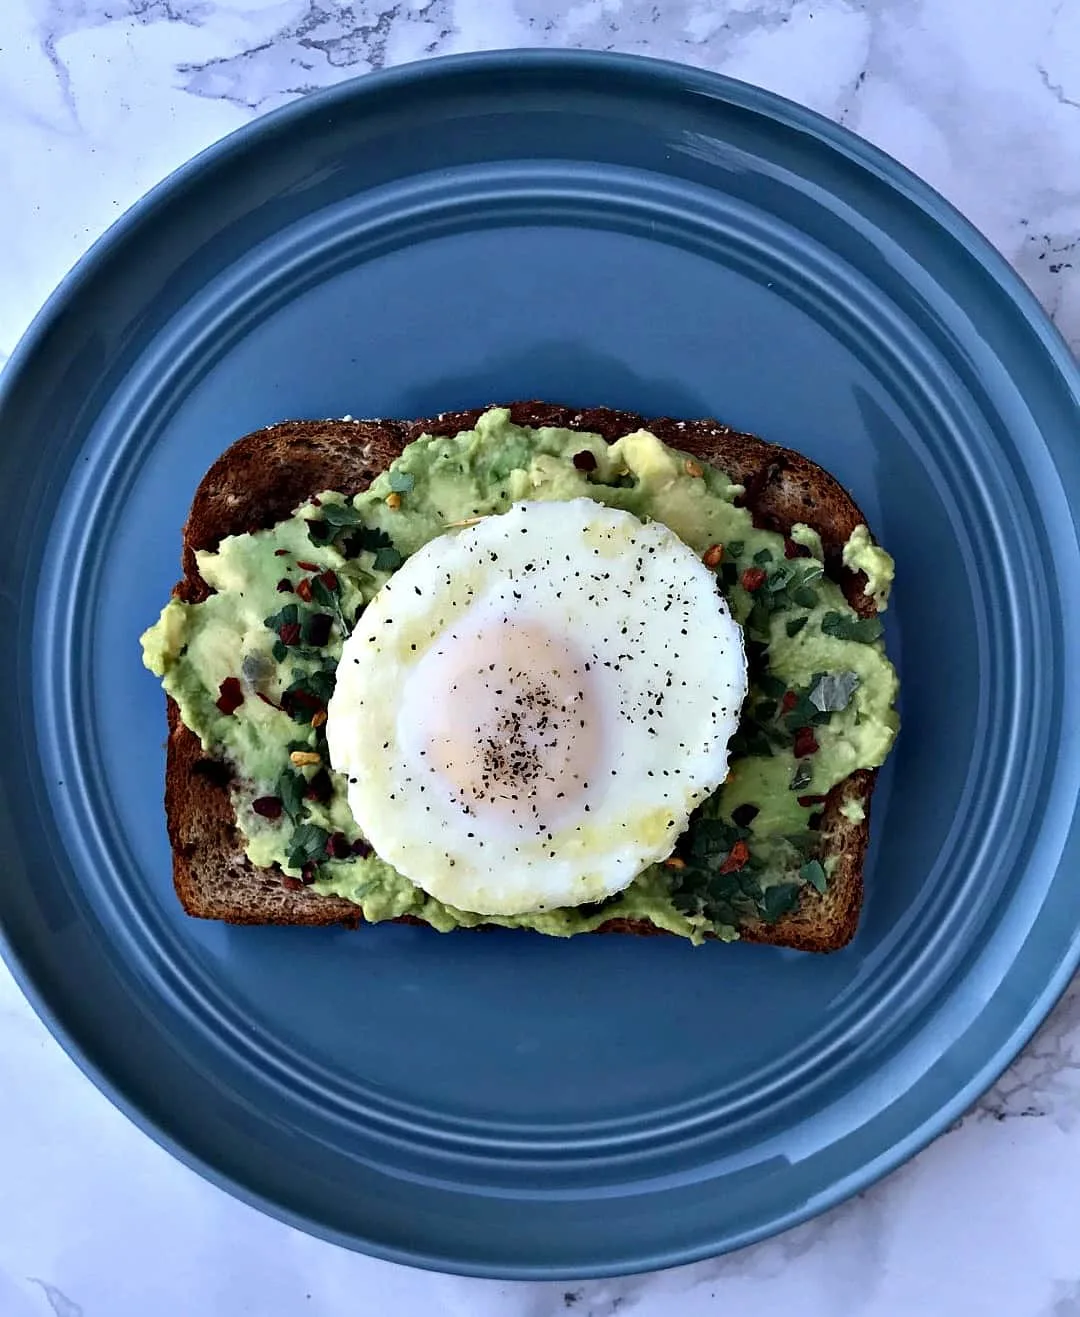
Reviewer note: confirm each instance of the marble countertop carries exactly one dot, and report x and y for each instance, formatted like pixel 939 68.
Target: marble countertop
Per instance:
pixel 99 99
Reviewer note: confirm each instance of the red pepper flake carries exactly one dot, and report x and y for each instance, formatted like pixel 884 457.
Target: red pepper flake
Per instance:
pixel 292 700
pixel 793 550
pixel 320 787
pixel 290 883
pixel 315 501
pixel 284 586
pixel 338 846
pixel 805 743
pixel 329 579
pixel 290 633
pixel 309 872
pixel 789 701
pixel 280 553
pixel 230 695
pixel 753 578
pixel 307 566
pixel 713 556
pixel 362 848
pixel 807 801
pixel 737 857
pixel 304 590
pixel 267 807
pixel 585 461
pixel 267 700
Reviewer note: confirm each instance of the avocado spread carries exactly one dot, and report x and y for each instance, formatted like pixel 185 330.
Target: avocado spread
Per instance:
pixel 252 670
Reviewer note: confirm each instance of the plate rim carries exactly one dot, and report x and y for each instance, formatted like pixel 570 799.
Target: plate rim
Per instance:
pixel 646 70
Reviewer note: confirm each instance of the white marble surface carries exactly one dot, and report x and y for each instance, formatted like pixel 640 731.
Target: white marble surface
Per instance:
pixel 98 100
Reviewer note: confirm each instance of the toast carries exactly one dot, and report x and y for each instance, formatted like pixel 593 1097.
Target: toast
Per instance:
pixel 262 477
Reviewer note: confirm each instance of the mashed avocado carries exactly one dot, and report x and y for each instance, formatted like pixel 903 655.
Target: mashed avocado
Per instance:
pixel 252 669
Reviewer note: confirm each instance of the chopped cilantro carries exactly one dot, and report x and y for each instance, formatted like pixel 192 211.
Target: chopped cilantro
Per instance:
pixel 813 872
pixel 340 514
pixel 308 843
pixel 843 626
pixel 288 616
pixel 388 559
pixel 290 788
pixel 777 900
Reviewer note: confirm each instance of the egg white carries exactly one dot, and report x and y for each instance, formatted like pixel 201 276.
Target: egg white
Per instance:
pixel 529 709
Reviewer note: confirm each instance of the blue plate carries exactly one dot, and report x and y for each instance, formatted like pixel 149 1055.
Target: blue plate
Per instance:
pixel 593 230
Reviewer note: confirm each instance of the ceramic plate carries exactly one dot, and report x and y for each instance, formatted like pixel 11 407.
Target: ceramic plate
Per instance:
pixel 592 230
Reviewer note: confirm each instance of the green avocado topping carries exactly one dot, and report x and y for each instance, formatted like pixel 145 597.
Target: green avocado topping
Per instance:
pixel 252 669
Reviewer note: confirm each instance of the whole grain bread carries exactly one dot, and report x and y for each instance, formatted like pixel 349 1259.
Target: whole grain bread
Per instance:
pixel 261 478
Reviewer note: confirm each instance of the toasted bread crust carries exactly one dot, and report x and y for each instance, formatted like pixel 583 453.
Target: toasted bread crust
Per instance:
pixel 262 477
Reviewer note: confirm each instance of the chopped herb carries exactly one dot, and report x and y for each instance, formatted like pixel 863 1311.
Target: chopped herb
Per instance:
pixel 794 625
pixel 735 548
pixel 762 557
pixel 773 686
pixel 290 789
pixel 321 595
pixel 340 514
pixel 844 627
pixel 748 741
pixel 288 616
pixel 336 517
pixel 401 482
pixel 802 776
pixel 813 872
pixel 318 684
pixel 371 538
pixel 320 532
pixel 805 597
pixel 388 559
pixel 833 691
pixel 689 903
pixel 308 844
pixel 777 900
pixel 779 579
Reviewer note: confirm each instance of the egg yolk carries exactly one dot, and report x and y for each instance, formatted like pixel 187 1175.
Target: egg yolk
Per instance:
pixel 515 726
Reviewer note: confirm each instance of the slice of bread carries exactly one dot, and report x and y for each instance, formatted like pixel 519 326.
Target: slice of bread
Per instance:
pixel 265 475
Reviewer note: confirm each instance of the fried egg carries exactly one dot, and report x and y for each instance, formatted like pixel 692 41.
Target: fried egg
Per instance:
pixel 530 708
